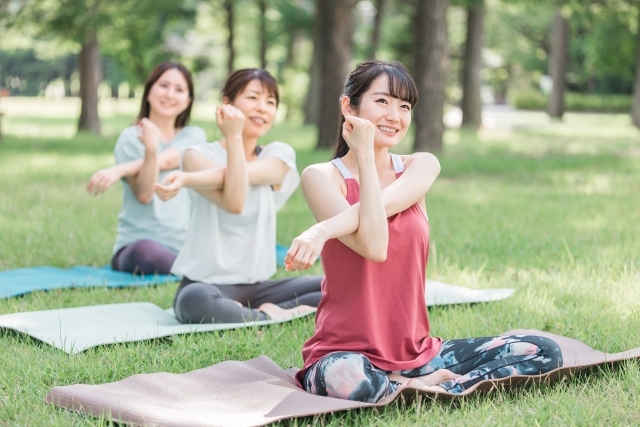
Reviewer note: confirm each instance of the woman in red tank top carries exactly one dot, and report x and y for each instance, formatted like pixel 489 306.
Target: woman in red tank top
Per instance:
pixel 372 327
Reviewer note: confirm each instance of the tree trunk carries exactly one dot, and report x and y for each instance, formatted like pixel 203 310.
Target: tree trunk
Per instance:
pixel 558 65
pixel 132 92
pixel 337 49
pixel 312 103
pixel 377 23
pixel 69 65
pixel 472 80
pixel 263 33
pixel 635 109
pixel 431 79
pixel 228 6
pixel 114 90
pixel 90 76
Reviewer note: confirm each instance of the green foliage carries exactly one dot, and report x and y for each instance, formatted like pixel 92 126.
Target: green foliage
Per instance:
pixel 597 103
pixel 548 209
pixel 138 39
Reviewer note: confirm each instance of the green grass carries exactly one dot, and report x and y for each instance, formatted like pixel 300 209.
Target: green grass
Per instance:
pixel 550 209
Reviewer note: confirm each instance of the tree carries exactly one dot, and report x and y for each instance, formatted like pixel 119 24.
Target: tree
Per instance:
pixel 263 33
pixel 377 24
pixel 558 64
pixel 90 77
pixel 312 103
pixel 229 8
pixel 430 73
pixel 471 72
pixel 336 49
pixel 635 109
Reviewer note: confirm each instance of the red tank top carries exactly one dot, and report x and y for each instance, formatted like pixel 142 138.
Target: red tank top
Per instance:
pixel 377 309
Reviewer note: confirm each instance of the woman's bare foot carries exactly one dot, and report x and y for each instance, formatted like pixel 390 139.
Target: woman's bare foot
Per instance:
pixel 419 384
pixel 437 377
pixel 276 313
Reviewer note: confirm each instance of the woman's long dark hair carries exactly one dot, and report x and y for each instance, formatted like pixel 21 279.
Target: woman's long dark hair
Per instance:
pixel 145 108
pixel 401 86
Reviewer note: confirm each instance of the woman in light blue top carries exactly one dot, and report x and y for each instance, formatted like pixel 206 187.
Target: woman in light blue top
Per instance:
pixel 150 232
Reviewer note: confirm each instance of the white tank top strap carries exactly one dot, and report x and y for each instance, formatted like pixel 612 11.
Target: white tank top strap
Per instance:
pixel 398 166
pixel 342 168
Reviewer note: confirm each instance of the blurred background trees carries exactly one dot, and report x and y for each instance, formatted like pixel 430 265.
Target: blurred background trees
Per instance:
pixel 553 55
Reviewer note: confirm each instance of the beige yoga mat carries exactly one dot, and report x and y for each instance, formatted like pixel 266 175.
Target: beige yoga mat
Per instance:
pixel 77 329
pixel 258 392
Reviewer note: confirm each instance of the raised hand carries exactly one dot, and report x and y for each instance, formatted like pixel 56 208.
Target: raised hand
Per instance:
pixel 230 121
pixel 149 134
pixel 103 179
pixel 359 134
pixel 305 249
pixel 170 185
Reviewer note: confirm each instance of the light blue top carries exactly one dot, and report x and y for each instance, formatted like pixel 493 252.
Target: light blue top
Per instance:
pixel 164 222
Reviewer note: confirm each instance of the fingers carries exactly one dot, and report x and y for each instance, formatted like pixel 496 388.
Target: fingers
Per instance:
pixel 219 114
pixel 170 178
pixel 96 184
pixel 165 192
pixel 288 259
pixel 300 256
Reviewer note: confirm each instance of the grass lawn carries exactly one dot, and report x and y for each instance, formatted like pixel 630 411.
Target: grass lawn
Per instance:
pixel 551 209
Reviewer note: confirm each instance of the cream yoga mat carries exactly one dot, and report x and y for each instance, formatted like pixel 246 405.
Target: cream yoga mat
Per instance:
pixel 74 330
pixel 258 392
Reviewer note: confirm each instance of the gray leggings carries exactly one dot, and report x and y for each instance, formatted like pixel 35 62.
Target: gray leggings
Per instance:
pixel 197 302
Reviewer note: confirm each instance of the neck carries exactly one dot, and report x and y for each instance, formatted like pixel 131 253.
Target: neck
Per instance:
pixel 167 125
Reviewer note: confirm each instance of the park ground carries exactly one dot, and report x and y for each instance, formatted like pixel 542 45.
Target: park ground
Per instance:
pixel 551 209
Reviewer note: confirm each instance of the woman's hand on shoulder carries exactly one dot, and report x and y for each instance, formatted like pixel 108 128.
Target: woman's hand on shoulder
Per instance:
pixel 359 134
pixel 230 121
pixel 149 134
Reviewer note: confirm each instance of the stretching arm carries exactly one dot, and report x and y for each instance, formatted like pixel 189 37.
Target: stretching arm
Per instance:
pixel 421 170
pixel 105 178
pixel 370 236
pixel 207 178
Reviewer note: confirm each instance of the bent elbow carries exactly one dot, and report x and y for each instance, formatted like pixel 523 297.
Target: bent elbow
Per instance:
pixel 377 254
pixel 235 209
pixel 145 199
pixel 380 257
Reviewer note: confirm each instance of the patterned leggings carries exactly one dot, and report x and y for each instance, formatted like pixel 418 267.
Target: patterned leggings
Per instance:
pixel 352 376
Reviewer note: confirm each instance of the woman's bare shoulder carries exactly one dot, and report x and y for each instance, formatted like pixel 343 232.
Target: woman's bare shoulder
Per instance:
pixel 424 159
pixel 321 174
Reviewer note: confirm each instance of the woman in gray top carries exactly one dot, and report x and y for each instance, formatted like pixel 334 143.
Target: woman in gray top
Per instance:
pixel 151 233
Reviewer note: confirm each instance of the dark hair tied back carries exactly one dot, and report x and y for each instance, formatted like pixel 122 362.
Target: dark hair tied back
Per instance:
pixel 145 108
pixel 238 80
pixel 401 86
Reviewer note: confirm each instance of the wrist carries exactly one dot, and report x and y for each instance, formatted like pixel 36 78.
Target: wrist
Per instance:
pixel 233 139
pixel 185 179
pixel 322 231
pixel 151 151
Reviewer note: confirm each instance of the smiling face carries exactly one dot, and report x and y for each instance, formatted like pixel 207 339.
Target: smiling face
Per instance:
pixel 391 116
pixel 169 95
pixel 259 107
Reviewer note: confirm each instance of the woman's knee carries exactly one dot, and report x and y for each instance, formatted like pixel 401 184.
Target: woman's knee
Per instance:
pixel 195 303
pixel 347 375
pixel 548 352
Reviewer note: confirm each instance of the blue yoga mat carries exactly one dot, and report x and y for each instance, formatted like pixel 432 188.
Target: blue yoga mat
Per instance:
pixel 24 280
